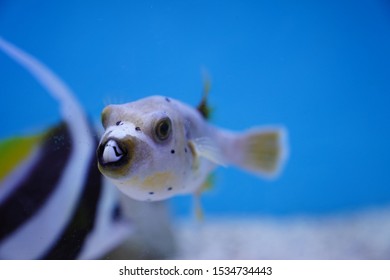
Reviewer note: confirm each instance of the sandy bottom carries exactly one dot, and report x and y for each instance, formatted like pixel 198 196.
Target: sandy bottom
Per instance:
pixel 358 235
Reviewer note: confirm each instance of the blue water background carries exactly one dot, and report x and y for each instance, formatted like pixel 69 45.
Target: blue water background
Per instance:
pixel 320 68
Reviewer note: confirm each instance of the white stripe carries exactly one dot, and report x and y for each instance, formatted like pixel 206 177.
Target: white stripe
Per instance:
pixel 51 219
pixel 107 234
pixel 70 109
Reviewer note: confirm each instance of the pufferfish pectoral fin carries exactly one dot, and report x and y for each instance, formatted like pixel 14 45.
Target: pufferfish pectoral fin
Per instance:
pixel 262 151
pixel 198 209
pixel 207 185
pixel 207 148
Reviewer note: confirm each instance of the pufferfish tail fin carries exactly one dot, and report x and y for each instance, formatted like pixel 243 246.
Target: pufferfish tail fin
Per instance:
pixel 261 151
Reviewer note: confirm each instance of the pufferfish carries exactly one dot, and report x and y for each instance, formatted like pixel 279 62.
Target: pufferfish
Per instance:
pixel 158 147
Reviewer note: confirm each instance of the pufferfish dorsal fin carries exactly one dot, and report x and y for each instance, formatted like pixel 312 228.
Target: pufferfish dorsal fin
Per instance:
pixel 203 107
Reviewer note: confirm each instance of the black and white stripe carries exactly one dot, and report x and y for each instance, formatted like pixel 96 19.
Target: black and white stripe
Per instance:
pixel 38 185
pixel 28 231
pixel 61 203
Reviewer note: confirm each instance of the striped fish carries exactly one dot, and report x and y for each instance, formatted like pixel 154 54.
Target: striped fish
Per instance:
pixel 54 203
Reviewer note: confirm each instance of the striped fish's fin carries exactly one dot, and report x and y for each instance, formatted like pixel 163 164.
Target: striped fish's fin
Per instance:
pixel 14 150
pixel 71 111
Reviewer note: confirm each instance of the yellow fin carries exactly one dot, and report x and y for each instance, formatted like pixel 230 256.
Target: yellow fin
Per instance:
pixel 198 209
pixel 264 151
pixel 207 185
pixel 14 150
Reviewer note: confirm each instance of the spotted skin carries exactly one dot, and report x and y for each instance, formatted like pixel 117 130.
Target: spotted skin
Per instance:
pixel 158 147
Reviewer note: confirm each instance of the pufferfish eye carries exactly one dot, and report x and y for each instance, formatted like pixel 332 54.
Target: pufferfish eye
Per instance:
pixel 163 129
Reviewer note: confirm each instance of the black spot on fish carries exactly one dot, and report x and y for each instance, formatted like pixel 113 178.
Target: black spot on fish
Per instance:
pixel 151 193
pixel 118 122
pixel 170 188
pixel 167 99
pixel 185 150
pixel 138 128
pixel 172 151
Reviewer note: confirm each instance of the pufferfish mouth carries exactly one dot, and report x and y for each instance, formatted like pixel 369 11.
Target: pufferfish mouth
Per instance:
pixel 114 154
